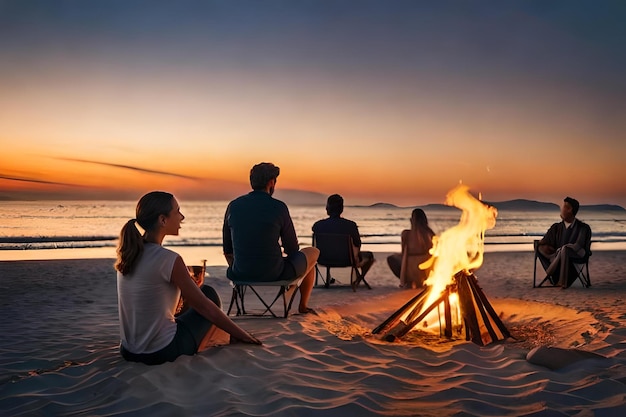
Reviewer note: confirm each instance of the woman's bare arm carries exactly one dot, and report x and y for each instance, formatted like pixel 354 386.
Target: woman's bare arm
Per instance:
pixel 204 306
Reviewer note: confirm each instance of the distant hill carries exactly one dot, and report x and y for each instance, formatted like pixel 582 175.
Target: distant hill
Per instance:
pixel 603 207
pixel 531 205
pixel 524 205
pixel 311 198
pixel 300 198
pixel 381 205
pixel 437 206
pixel 512 205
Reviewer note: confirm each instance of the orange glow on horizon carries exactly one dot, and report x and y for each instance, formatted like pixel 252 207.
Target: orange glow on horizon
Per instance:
pixel 387 175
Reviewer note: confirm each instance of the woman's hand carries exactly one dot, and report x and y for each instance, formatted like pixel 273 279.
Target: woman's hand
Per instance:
pixel 248 338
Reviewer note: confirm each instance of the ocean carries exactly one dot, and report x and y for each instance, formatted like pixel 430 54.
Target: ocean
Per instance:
pixel 46 229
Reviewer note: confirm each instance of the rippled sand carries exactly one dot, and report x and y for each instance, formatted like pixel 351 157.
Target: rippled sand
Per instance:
pixel 58 353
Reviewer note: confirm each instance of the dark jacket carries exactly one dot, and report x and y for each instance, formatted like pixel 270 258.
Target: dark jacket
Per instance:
pixel 579 234
pixel 338 225
pixel 255 226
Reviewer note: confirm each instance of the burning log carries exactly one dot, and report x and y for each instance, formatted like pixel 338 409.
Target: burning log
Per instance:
pixel 414 304
pixel 482 324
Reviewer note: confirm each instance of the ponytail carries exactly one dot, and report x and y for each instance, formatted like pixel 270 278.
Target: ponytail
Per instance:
pixel 129 249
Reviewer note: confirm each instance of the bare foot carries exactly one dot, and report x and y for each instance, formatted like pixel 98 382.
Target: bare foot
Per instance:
pixel 253 340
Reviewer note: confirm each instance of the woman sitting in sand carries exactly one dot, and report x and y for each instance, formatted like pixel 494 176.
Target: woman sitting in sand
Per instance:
pixel 150 280
pixel 416 242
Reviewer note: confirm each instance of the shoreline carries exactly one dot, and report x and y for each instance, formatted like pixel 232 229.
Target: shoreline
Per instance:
pixel 213 254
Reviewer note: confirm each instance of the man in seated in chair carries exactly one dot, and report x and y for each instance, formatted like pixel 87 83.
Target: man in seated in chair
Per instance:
pixel 255 225
pixel 563 241
pixel 338 225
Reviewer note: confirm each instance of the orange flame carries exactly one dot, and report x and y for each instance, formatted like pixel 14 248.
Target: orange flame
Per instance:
pixel 461 247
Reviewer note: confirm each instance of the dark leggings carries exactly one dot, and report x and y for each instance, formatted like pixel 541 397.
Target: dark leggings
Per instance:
pixel 190 330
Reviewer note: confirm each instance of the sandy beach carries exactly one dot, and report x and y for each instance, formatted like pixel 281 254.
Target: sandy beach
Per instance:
pixel 58 354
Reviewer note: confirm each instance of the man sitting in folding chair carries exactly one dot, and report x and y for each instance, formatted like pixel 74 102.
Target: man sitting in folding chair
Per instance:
pixel 335 224
pixel 254 227
pixel 565 244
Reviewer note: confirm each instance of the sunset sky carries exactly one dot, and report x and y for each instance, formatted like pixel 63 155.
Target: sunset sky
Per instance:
pixel 393 101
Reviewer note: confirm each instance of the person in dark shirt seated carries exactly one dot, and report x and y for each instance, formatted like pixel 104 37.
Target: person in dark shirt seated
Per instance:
pixel 565 240
pixel 336 224
pixel 255 225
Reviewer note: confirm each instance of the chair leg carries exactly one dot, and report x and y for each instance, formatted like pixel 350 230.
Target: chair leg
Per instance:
pixel 362 279
pixel 356 277
pixel 535 271
pixel 289 293
pixel 583 275
pixel 286 292
pixel 237 299
pixel 320 275
pixel 317 274
pixel 233 299
pixel 366 284
pixel 536 257
pixel 328 278
pixel 268 307
pixel 241 292
pixel 543 282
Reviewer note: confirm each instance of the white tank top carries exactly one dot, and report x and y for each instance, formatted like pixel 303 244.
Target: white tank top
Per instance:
pixel 147 300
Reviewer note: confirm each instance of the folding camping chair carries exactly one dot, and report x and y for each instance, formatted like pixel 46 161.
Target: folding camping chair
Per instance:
pixel 337 251
pixel 286 290
pixel 581 266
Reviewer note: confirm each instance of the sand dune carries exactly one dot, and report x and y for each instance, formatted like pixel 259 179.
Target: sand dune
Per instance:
pixel 58 354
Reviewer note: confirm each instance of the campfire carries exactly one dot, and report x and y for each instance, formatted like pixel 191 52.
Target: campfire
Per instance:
pixel 452 288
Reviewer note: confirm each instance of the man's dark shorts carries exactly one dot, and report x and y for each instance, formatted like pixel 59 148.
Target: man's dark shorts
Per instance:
pixel 294 267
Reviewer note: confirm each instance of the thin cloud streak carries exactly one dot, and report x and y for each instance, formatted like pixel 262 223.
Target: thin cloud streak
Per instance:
pixel 36 181
pixel 133 168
